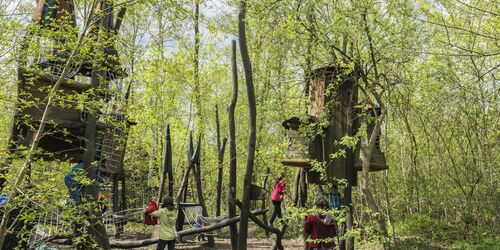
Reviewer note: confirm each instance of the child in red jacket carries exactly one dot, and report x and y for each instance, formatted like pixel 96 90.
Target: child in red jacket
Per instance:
pixel 148 219
pixel 277 197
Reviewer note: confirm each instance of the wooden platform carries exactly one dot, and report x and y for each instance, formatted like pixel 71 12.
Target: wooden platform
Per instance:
pixel 63 137
pixel 378 161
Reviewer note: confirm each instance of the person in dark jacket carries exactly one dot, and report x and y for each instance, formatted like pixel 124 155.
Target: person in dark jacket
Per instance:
pixel 320 228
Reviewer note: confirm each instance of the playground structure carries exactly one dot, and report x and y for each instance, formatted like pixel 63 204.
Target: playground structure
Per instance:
pixel 344 118
pixel 85 121
pixel 334 90
pixel 93 131
pixel 73 131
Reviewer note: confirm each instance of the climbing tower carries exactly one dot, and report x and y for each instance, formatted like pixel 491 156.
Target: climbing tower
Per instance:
pixel 88 112
pixel 333 96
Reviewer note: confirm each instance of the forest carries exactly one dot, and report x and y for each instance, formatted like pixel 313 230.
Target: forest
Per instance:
pixel 109 106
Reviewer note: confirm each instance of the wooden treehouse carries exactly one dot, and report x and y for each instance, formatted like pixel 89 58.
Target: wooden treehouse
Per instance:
pixel 89 88
pixel 332 90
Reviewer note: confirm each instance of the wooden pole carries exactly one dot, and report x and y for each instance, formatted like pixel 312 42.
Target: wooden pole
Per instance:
pixel 182 189
pixel 170 168
pixel 220 159
pixel 197 174
pixel 116 201
pixel 185 178
pixel 97 228
pixel 303 188
pixel 252 133
pixel 167 166
pixel 263 205
pixel 233 229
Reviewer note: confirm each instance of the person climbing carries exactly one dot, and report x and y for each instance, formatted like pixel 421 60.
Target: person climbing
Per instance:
pixel 277 198
pixel 74 186
pixel 320 227
pixel 167 217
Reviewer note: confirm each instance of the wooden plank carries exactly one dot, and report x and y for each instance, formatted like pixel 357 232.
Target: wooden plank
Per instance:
pixel 378 161
pixel 45 79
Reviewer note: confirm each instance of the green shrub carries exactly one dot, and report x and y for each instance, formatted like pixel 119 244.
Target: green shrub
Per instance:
pixel 427 227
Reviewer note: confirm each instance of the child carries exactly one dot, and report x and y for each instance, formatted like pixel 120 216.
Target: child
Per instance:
pixel 277 197
pixel 148 219
pixel 335 198
pixel 198 224
pixel 167 217
pixel 102 203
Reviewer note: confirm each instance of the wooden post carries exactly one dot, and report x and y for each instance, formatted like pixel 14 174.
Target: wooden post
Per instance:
pixel 252 128
pixel 197 174
pixel 167 167
pixel 263 205
pixel 97 228
pixel 233 229
pixel 303 188
pixel 296 187
pixel 350 172
pixel 182 189
pixel 116 200
pixel 123 192
pixel 185 178
pixel 220 158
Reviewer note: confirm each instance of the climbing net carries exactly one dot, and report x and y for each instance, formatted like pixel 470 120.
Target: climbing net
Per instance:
pixel 56 224
pixel 194 216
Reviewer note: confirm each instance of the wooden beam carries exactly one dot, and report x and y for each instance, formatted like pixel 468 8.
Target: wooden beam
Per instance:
pixel 191 231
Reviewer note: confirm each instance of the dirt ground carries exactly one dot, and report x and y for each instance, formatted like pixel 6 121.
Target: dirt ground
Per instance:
pixel 253 243
pixel 189 242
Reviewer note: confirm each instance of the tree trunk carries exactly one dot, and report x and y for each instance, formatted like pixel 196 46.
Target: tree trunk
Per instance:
pixel 232 150
pixel 197 89
pixel 123 192
pixel 367 147
pixel 252 113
